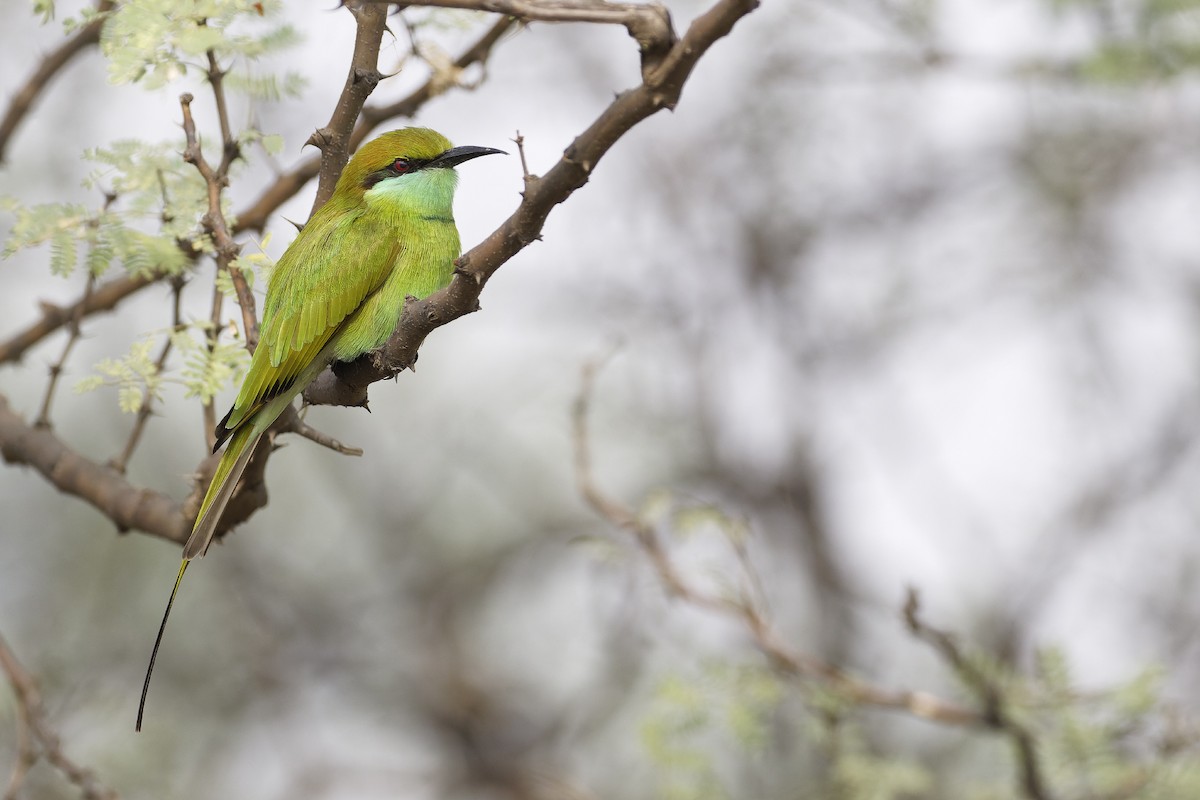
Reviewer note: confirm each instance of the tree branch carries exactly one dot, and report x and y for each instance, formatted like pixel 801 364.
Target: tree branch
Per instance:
pixel 36 728
pixel 995 705
pixel 648 23
pixel 744 610
pixel 334 139
pixel 56 369
pixel 105 297
pixel 128 506
pixel 347 385
pixel 50 66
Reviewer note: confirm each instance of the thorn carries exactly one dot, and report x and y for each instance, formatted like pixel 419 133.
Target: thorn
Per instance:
pixel 319 138
pixel 299 226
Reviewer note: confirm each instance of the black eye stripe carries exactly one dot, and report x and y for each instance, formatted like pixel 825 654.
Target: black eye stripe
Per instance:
pixel 399 166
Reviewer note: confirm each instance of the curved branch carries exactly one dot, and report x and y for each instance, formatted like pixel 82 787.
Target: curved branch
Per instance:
pixel 347 384
pixel 128 506
pixel 50 65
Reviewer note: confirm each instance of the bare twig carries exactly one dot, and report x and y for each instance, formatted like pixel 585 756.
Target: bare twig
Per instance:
pixel 289 183
pixel 746 610
pixel 147 408
pixel 996 713
pixel 519 141
pixel 214 223
pixel 292 422
pixel 56 369
pixel 27 754
pixel 648 23
pixel 47 69
pixel 33 717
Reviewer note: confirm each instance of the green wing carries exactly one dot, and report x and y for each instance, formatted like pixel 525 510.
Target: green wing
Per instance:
pixel 330 270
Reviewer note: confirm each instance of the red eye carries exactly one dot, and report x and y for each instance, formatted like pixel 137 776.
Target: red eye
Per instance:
pixel 400 166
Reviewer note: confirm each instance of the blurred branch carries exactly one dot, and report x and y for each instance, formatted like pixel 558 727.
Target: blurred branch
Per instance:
pixel 293 423
pixel 995 706
pixel 56 369
pixel 289 183
pixel 128 506
pixel 105 297
pixel 660 88
pixel 743 610
pixel 34 732
pixel 50 65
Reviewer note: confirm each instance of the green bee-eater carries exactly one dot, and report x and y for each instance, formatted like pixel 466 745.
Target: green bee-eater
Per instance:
pixel 337 293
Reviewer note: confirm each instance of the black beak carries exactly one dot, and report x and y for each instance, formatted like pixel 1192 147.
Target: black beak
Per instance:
pixel 457 155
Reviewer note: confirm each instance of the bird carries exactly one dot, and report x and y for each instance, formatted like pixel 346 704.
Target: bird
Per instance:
pixel 387 233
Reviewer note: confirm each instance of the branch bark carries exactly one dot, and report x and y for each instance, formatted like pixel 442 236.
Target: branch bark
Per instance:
pixel 36 728
pixel 334 139
pixel 105 297
pixel 128 506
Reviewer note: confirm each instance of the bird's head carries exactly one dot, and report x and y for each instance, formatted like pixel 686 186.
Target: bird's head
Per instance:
pixel 391 161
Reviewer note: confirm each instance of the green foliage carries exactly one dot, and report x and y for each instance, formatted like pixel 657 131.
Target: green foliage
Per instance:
pixel 266 86
pixel 56 223
pixel 44 9
pixel 153 183
pixel 134 375
pixel 207 367
pixel 691 719
pixel 153 42
pixel 1150 40
pixel 856 773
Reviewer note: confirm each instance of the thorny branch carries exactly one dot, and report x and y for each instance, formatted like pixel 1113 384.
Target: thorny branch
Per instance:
pixel 37 738
pixel 333 140
pixel 744 610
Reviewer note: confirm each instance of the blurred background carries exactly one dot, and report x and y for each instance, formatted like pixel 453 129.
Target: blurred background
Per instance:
pixel 905 289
